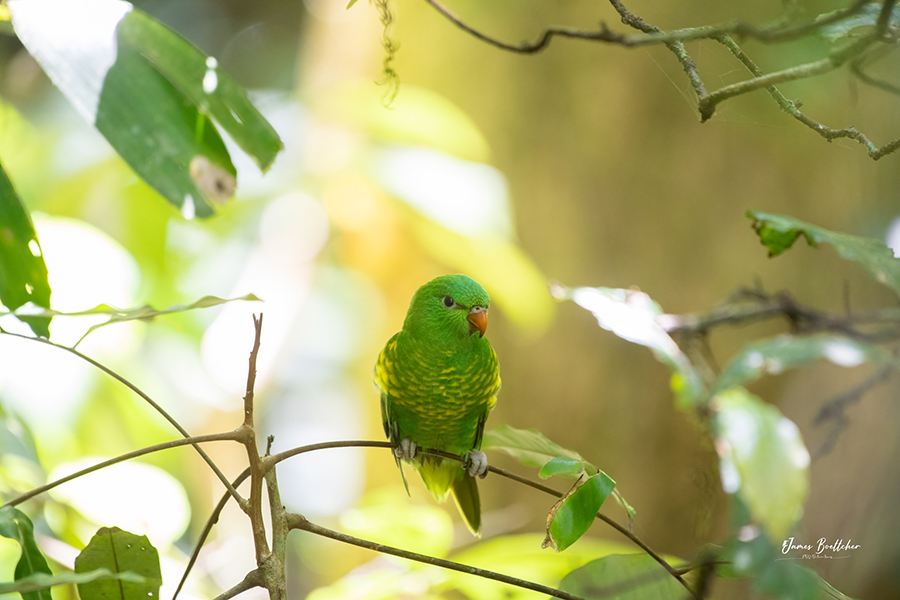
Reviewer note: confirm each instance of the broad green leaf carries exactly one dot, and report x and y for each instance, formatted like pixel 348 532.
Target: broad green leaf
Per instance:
pixel 866 17
pixel 128 76
pixel 761 458
pixel 561 465
pixel 570 518
pixel 146 312
pixel 15 525
pixel 119 552
pixel 776 355
pixel 529 446
pixel 779 232
pixel 23 274
pixel 623 577
pixel 209 88
pixel 43 581
pixel 634 317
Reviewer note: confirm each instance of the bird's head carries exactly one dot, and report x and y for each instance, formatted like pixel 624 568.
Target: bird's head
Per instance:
pixel 449 307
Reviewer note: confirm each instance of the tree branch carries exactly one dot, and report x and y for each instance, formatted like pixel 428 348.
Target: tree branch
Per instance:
pixel 257 472
pixel 707 102
pixel 252 580
pixel 193 441
pixel 241 501
pixel 213 519
pixel 300 522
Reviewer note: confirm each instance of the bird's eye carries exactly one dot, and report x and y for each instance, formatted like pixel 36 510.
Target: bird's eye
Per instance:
pixel 449 302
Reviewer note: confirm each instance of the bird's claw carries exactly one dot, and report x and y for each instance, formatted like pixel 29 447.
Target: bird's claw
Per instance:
pixel 476 464
pixel 406 450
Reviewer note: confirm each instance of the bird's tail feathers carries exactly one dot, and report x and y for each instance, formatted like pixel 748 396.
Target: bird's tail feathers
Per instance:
pixel 465 493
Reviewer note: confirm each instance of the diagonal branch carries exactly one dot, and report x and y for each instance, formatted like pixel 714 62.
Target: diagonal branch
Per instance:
pixel 241 501
pixel 300 522
pixel 193 441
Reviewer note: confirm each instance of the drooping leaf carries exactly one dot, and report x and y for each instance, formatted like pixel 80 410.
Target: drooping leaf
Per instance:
pixel 529 446
pixel 15 525
pixel 533 449
pixel 210 89
pixel 43 581
pixel 137 83
pixel 633 316
pixel 573 515
pixel 561 465
pixel 776 355
pixel 23 274
pixel 762 458
pixel 866 17
pixel 146 312
pixel 623 577
pixel 119 552
pixel 779 232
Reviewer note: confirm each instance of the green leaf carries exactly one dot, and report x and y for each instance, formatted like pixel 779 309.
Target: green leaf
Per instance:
pixel 23 274
pixel 866 17
pixel 561 465
pixel 351 3
pixel 573 515
pixel 623 577
pixel 779 232
pixel 633 316
pixel 137 83
pixel 776 355
pixel 119 552
pixel 146 312
pixel 528 446
pixel 15 525
pixel 209 88
pixel 762 458
pixel 43 581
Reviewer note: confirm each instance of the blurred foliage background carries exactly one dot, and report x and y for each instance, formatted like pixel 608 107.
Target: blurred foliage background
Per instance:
pixel 584 164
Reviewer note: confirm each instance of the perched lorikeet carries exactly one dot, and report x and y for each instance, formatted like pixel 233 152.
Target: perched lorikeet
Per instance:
pixel 439 379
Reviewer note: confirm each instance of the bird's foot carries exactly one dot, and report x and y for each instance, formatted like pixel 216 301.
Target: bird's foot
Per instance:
pixel 476 464
pixel 407 450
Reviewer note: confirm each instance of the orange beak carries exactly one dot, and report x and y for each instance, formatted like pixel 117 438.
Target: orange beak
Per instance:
pixel 477 320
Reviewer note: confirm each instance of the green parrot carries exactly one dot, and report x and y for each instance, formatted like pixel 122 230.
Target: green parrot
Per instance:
pixel 439 379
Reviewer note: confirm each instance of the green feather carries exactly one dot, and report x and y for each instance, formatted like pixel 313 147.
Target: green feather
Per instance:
pixel 438 382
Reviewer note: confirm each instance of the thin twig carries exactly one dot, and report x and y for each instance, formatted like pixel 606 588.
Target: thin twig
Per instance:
pixel 835 409
pixel 252 580
pixel 213 519
pixel 257 472
pixel 213 437
pixel 300 522
pixel 241 501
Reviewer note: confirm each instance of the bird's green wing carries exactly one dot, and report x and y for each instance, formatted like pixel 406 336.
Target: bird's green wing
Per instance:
pixel 386 362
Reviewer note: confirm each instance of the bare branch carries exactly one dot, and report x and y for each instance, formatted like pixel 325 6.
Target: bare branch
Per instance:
pixel 193 441
pixel 252 580
pixel 835 410
pixel 707 102
pixel 300 522
pixel 241 501
pixel 213 519
pixel 257 472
